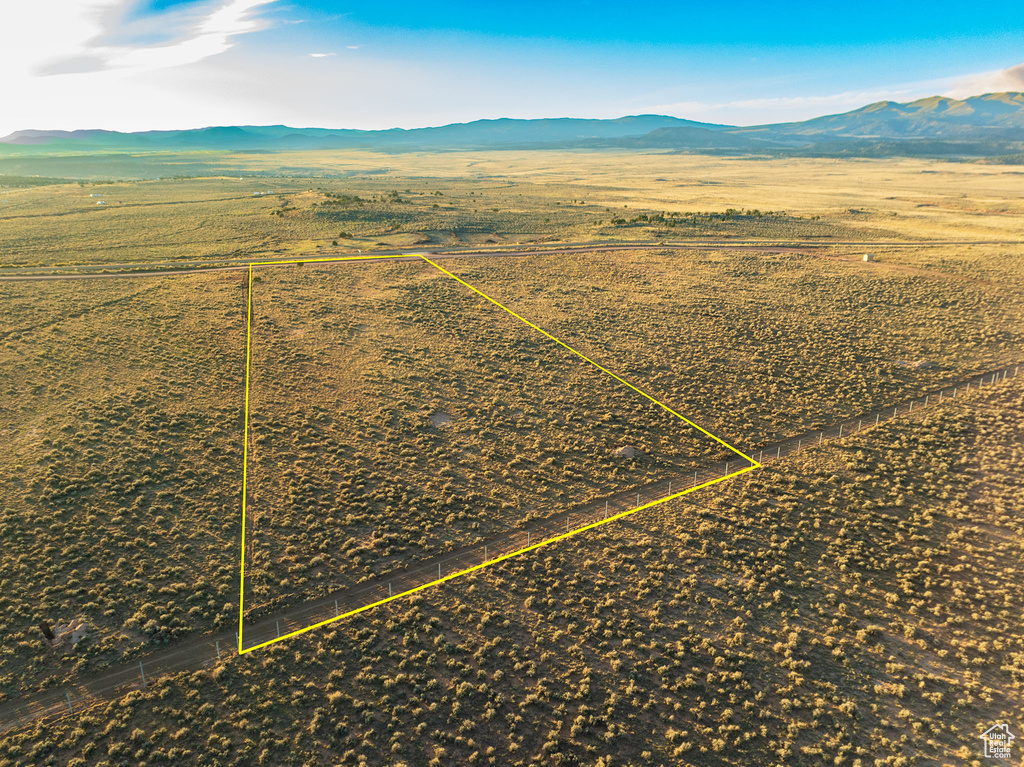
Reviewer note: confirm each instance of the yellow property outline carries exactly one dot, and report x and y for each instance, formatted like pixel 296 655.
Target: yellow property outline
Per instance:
pixel 245 452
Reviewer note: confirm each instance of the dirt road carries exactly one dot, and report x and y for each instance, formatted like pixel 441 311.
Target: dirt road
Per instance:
pixel 206 651
pixel 170 268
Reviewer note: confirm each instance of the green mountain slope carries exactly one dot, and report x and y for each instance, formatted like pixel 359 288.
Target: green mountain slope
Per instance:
pixel 988 125
pixel 991 116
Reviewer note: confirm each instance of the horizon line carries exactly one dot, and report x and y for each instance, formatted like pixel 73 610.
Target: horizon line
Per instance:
pixel 489 119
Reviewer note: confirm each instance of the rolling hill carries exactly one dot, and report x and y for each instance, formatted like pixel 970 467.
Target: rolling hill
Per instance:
pixel 477 134
pixel 980 126
pixel 992 116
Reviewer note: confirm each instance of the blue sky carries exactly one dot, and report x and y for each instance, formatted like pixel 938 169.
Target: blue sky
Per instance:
pixel 131 65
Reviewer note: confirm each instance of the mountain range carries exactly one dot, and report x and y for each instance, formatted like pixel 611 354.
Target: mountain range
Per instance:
pixel 980 126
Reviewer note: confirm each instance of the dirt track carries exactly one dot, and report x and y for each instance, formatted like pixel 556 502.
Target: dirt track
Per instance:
pixel 103 271
pixel 200 652
pixel 146 270
pixel 207 651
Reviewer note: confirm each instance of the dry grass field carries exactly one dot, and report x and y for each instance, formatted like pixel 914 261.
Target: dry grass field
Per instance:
pixel 858 605
pixel 854 604
pixel 395 413
pixel 365 201
pixel 122 431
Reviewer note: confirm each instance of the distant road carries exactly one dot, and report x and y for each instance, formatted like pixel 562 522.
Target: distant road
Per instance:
pixel 224 265
pixel 167 268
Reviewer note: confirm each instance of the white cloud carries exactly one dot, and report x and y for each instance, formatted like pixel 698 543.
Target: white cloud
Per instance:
pixel 208 33
pixel 103 64
pixel 76 60
pixel 1010 79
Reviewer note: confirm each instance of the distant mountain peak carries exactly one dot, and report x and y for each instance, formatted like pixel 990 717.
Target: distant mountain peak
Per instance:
pixel 930 117
pixel 984 118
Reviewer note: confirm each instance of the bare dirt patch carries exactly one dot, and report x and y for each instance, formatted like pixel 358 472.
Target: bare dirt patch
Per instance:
pixel 440 419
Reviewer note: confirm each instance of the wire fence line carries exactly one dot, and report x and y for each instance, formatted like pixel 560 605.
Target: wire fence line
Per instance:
pixel 209 651
pixel 389 587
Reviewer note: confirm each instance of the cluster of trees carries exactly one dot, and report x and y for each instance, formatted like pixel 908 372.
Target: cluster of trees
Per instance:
pixel 672 219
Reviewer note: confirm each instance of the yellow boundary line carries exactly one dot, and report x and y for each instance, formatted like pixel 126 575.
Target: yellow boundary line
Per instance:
pixel 599 367
pixel 245 455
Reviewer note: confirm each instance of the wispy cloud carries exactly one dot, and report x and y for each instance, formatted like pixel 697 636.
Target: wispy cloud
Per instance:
pixel 202 31
pixel 998 81
pixel 121 64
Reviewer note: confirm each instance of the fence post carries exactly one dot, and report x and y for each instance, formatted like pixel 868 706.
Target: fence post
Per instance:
pixel 439 570
pixel 799 444
pixel 605 511
pixel 821 437
pixel 337 612
pixel 638 499
pixel 926 400
pixel 911 408
pixel 528 532
pixel 485 552
pixel 840 431
pixel 695 479
pixel 727 467
pixel 71 708
pixel 389 589
pixel 142 671
pixel 670 487
pixel 778 453
pixel 860 424
pixel 278 629
pixel 218 651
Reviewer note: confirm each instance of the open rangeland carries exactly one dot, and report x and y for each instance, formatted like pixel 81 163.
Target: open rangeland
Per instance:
pixel 855 603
